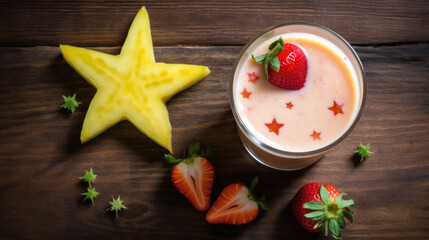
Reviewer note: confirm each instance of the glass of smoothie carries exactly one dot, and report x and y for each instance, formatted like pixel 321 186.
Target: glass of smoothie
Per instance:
pixel 292 129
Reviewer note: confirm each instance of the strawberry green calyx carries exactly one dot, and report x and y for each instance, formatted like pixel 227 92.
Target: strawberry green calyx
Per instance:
pixel 271 57
pixel 193 152
pixel 70 103
pixel 91 194
pixel 261 201
pixel 363 151
pixel 89 177
pixel 329 214
pixel 116 205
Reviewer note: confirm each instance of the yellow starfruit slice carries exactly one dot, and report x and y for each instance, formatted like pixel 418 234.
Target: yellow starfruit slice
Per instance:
pixel 131 86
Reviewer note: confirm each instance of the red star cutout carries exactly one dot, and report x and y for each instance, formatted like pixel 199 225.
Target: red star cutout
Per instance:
pixel 316 135
pixel 245 93
pixel 336 109
pixel 289 105
pixel 274 126
pixel 252 77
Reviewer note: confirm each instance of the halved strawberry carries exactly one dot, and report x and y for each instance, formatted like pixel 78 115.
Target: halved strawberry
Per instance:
pixel 193 176
pixel 237 204
pixel 285 65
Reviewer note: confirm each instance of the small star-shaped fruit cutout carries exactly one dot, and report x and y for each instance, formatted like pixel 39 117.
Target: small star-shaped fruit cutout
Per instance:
pixel 89 177
pixel 363 151
pixel 245 93
pixel 252 77
pixel 70 103
pixel 91 194
pixel 289 105
pixel 274 126
pixel 116 205
pixel 131 86
pixel 316 135
pixel 336 109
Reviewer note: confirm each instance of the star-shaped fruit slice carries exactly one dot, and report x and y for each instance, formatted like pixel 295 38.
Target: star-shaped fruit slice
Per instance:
pixel 252 77
pixel 274 126
pixel 245 93
pixel 131 86
pixel 336 109
pixel 316 135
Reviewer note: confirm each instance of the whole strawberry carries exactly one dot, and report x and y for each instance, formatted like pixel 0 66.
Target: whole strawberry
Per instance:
pixel 285 65
pixel 193 176
pixel 321 208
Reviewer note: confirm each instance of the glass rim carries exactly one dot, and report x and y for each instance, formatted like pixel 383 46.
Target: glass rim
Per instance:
pixel 277 151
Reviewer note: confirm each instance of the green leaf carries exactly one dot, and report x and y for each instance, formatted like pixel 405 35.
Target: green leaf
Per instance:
pixel 341 222
pixel 314 205
pixel 325 194
pixel 171 159
pixel 340 197
pixel 194 149
pixel 263 203
pixel 325 228
pixel 266 69
pixel 275 64
pixel 334 227
pixel 260 59
pixel 314 214
pixel 274 44
pixel 319 223
pixel 347 203
pixel 254 183
pixel 349 215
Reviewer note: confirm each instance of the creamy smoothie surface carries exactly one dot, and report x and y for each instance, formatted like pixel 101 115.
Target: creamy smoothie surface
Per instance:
pixel 306 119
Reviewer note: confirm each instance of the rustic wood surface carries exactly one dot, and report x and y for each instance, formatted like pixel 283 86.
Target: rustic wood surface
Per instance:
pixel 41 156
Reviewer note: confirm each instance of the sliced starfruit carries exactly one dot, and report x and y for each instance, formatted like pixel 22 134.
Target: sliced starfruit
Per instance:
pixel 131 86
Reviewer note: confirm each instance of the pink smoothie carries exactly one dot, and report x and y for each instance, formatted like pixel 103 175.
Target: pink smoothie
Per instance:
pixel 306 119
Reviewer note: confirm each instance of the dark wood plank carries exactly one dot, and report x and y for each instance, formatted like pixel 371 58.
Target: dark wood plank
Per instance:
pixel 105 23
pixel 41 156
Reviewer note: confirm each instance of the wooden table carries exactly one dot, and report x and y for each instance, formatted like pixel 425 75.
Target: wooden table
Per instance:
pixel 41 156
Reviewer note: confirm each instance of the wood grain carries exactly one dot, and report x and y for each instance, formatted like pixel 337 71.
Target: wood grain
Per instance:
pixel 105 23
pixel 41 156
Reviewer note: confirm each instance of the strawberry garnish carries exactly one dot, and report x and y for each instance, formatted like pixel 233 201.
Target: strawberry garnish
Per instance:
pixel 321 208
pixel 285 65
pixel 193 176
pixel 274 126
pixel 237 204
pixel 336 108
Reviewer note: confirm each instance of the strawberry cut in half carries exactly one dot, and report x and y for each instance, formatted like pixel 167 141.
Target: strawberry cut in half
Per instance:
pixel 321 208
pixel 285 65
pixel 193 176
pixel 237 205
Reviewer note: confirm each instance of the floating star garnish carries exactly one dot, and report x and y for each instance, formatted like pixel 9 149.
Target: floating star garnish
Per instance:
pixel 274 126
pixel 116 205
pixel 245 93
pixel 91 194
pixel 289 105
pixel 252 77
pixel 89 177
pixel 363 151
pixel 131 86
pixel 336 109
pixel 316 135
pixel 70 103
